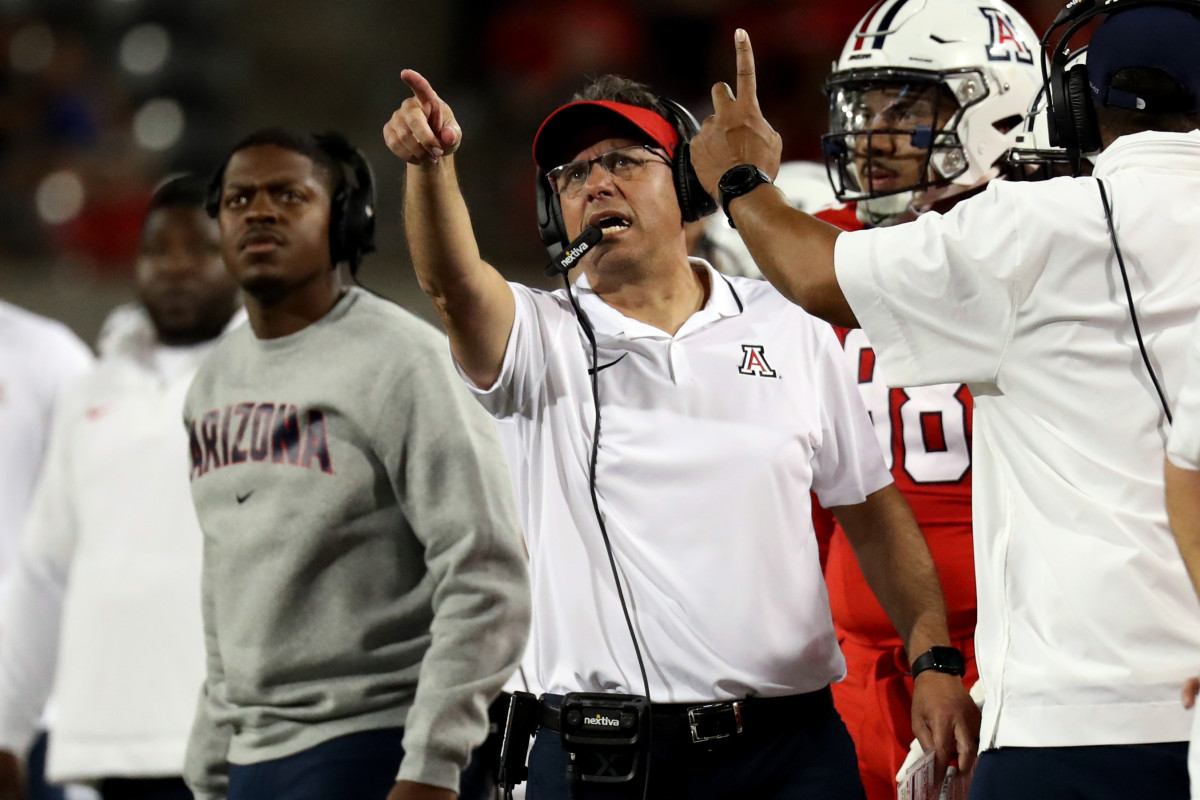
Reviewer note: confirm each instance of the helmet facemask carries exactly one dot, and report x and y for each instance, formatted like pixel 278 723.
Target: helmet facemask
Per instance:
pixel 896 132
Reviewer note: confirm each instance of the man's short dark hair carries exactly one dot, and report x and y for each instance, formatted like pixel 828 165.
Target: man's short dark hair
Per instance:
pixel 1146 82
pixel 622 90
pixel 328 168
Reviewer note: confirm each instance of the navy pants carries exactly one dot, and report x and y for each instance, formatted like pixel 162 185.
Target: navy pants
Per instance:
pixel 1102 772
pixel 144 789
pixel 814 760
pixel 38 788
pixel 362 766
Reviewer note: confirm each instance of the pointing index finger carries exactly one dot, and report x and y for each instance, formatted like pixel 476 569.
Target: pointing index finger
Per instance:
pixel 747 86
pixel 422 89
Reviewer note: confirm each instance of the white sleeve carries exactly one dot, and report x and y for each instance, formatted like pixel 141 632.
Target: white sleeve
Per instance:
pixel 537 317
pixel 848 465
pixel 1183 448
pixel 31 617
pixel 29 647
pixel 937 297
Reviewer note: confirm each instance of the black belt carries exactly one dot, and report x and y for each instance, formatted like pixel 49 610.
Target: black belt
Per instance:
pixel 712 721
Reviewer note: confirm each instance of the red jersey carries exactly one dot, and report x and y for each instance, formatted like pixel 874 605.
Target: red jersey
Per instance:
pixel 925 435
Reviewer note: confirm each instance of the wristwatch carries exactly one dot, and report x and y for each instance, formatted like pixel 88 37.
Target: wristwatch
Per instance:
pixel 940 659
pixel 736 182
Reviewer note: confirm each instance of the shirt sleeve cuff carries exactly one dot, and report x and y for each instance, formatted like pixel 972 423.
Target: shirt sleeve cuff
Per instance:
pixel 421 766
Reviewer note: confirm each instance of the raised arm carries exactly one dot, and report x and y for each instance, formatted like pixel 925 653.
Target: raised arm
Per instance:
pixel 1183 510
pixel 471 297
pixel 793 250
pixel 899 569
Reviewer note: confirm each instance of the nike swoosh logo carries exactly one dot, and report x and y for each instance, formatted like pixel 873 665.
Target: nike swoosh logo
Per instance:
pixel 606 366
pixel 241 498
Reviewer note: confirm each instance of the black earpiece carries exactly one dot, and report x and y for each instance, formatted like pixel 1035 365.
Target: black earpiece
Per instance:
pixel 694 202
pixel 352 219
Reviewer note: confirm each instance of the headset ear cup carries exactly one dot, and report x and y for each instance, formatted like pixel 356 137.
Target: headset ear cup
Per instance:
pixel 1083 113
pixel 339 249
pixel 1062 128
pixel 352 208
pixel 551 229
pixel 694 202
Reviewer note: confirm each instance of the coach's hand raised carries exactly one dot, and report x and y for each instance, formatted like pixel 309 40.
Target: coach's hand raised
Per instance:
pixel 737 133
pixel 423 129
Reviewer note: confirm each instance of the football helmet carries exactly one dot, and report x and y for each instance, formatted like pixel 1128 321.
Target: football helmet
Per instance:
pixel 922 99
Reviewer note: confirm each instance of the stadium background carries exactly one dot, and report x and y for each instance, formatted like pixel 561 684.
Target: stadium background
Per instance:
pixel 100 98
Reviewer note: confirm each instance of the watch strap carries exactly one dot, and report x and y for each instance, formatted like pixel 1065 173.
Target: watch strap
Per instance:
pixel 940 659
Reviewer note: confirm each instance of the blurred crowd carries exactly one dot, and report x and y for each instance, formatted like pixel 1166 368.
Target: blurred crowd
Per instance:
pixel 101 98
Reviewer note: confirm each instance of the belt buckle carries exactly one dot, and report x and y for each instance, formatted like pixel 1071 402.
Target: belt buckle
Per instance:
pixel 714 711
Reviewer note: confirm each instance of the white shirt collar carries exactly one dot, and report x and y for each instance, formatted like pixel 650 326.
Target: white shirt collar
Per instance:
pixel 723 301
pixel 1151 150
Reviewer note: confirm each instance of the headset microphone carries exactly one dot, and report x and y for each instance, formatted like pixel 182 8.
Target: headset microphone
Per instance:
pixel 561 264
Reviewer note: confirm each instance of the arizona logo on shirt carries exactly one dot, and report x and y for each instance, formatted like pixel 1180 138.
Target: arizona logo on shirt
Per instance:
pixel 754 362
pixel 249 432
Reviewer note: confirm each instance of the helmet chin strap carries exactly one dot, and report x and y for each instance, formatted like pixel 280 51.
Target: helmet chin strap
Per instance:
pixel 882 212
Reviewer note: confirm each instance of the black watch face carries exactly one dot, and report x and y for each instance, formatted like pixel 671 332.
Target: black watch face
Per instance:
pixel 737 177
pixel 947 659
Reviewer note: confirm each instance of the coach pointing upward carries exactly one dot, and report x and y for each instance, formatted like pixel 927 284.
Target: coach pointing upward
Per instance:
pixel 680 419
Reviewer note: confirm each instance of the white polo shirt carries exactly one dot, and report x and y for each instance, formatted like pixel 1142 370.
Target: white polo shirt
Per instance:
pixel 1087 621
pixel 710 441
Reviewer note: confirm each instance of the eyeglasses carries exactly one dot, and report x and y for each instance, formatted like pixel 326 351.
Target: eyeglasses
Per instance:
pixel 623 163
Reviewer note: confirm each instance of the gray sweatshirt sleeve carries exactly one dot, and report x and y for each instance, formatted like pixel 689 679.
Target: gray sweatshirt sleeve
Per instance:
pixel 206 767
pixel 448 469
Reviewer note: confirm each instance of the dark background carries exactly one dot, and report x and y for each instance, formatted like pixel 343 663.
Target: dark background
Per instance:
pixel 101 98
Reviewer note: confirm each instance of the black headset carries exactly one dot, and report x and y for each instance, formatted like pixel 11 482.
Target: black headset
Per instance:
pixel 1072 120
pixel 694 202
pixel 352 208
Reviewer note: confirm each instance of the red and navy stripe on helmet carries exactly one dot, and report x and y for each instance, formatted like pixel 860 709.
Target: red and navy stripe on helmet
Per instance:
pixel 885 13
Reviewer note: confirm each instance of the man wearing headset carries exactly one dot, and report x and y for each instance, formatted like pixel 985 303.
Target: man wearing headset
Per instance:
pixel 364 586
pixel 673 555
pixel 1087 623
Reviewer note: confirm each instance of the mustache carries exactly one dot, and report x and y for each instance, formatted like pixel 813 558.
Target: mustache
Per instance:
pixel 260 233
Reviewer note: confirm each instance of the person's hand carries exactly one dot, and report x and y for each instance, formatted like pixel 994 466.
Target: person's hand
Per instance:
pixel 1191 687
pixel 423 129
pixel 737 133
pixel 409 790
pixel 945 720
pixel 11 779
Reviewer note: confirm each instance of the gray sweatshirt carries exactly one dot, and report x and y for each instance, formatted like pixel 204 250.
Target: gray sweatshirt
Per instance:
pixel 363 566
